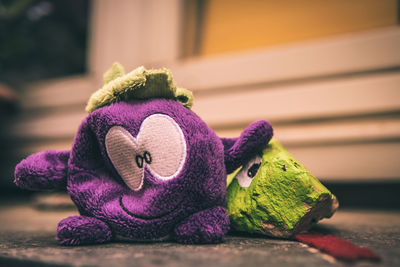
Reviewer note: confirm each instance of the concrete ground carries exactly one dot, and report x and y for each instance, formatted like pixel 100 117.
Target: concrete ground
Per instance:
pixel 27 239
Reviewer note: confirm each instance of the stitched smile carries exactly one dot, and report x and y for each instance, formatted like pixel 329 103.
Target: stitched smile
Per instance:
pixel 143 217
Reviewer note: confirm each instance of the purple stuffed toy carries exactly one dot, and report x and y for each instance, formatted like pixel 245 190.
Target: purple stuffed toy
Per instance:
pixel 143 166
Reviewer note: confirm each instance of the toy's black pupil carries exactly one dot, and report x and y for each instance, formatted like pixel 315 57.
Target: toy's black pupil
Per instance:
pixel 139 161
pixel 182 98
pixel 252 171
pixel 146 157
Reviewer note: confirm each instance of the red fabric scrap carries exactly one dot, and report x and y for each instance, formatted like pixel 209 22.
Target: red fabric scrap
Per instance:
pixel 336 247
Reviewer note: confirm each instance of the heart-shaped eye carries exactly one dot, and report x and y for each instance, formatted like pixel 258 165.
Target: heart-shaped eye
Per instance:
pixel 159 146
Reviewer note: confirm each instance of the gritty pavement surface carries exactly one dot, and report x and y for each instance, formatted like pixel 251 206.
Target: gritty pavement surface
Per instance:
pixel 27 239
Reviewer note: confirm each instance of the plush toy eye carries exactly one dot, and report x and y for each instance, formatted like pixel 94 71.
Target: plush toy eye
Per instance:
pixel 164 144
pixel 249 171
pixel 159 146
pixel 125 155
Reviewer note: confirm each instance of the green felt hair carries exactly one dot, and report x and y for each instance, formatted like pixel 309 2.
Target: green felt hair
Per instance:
pixel 137 84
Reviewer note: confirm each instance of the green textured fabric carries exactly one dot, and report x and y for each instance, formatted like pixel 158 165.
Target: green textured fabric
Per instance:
pixel 281 197
pixel 137 84
pixel 116 70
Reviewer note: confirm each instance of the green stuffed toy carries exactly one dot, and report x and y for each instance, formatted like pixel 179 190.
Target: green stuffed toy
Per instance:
pixel 274 195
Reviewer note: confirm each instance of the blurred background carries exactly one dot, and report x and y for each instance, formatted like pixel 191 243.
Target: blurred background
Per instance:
pixel 325 73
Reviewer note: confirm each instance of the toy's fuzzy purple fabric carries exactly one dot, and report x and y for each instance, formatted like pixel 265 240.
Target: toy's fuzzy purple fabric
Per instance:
pixel 154 210
pixel 46 170
pixel 207 226
pixel 189 206
pixel 80 230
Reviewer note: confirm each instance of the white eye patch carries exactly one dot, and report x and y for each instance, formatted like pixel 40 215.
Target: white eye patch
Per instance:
pixel 249 171
pixel 159 146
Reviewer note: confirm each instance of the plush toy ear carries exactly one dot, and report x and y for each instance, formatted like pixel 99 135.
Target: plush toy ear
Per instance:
pixel 238 151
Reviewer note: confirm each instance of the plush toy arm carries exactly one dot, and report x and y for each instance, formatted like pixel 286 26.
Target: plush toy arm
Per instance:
pixel 204 227
pixel 241 149
pixel 81 230
pixel 43 171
